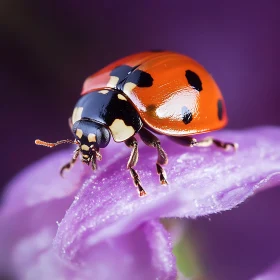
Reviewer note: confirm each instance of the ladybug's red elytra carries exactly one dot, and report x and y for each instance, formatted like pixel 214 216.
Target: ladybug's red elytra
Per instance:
pixel 160 91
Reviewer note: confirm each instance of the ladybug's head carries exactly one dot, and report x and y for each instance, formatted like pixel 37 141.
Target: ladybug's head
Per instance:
pixel 90 136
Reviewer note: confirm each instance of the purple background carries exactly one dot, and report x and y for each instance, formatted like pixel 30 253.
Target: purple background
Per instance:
pixel 51 46
pixel 241 243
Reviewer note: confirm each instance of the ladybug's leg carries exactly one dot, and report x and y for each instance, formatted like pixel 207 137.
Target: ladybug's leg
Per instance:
pixel 206 142
pixel 151 140
pixel 71 163
pixel 95 156
pixel 133 159
pixel 93 162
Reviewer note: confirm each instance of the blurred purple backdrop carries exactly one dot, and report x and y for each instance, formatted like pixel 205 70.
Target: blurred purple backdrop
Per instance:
pixel 241 243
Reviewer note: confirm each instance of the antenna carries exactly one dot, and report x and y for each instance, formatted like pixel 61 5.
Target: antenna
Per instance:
pixel 51 145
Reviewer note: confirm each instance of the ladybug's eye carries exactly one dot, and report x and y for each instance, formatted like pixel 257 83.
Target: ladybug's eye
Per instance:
pixel 104 137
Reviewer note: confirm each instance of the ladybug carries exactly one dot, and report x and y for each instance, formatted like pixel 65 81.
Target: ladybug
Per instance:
pixel 155 91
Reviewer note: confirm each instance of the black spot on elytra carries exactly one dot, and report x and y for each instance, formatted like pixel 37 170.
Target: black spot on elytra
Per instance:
pixel 194 80
pixel 127 74
pixel 187 115
pixel 220 107
pixel 121 71
pixel 144 79
pixel 140 78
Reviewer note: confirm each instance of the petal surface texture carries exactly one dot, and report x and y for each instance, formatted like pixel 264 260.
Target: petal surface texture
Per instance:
pixel 107 229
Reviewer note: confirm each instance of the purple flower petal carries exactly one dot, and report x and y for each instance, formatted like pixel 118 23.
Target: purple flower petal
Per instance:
pixel 107 219
pixel 28 227
pixel 143 254
pixel 41 182
pixel 202 181
pixel 29 231
pixel 273 273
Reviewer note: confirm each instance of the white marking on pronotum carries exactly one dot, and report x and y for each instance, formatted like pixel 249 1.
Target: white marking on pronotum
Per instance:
pixel 120 131
pixel 121 97
pixel 113 81
pixel 104 91
pixel 85 148
pixel 79 133
pixel 77 114
pixel 91 137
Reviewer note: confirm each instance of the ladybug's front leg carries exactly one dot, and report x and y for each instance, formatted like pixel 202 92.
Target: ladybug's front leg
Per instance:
pixel 71 163
pixel 209 141
pixel 133 159
pixel 151 140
